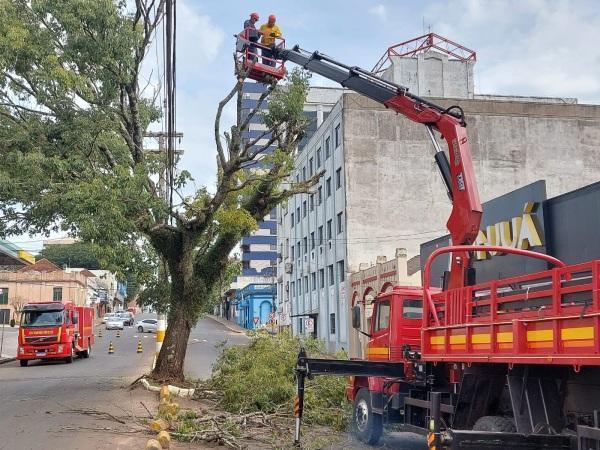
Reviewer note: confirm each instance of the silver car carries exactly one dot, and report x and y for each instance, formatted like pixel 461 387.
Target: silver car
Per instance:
pixel 146 325
pixel 114 323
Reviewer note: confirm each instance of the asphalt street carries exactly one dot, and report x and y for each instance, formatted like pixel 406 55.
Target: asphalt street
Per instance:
pixel 55 405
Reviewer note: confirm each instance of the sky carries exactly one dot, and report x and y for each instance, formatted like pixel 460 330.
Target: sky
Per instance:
pixel 524 47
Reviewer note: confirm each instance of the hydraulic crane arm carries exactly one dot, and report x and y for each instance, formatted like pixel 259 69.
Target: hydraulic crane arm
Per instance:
pixel 456 169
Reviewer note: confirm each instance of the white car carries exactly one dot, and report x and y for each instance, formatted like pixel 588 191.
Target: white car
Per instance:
pixel 107 316
pixel 146 325
pixel 114 323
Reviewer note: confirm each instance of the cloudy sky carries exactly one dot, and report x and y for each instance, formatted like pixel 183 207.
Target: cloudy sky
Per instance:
pixel 524 47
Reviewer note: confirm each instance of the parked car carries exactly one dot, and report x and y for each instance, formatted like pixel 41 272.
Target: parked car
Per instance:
pixel 115 323
pixel 127 317
pixel 106 316
pixel 147 325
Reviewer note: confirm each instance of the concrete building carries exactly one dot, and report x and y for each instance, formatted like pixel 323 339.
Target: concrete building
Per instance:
pixel 381 189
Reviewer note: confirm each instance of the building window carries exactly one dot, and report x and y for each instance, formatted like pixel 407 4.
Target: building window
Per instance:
pixel 273 246
pixel 320 235
pixel 337 136
pixel 304 173
pixel 313 280
pixel 340 222
pixel 293 289
pixel 273 263
pixel 292 216
pixel 318 157
pixel 311 170
pixel 273 231
pixel 298 249
pixel 329 229
pixel 332 323
pixel 298 214
pixel 300 325
pixel 330 275
pixel 341 271
pixel 245 264
pixel 328 187
pixel 338 178
pixel 57 294
pixel 306 284
pixel 3 296
pixel 321 278
pixel 305 242
pixel 297 178
pixel 320 195
pixel 304 208
pixel 327 148
pixel 292 252
pixel 299 286
pixel 273 214
pixel 287 248
pixel 312 202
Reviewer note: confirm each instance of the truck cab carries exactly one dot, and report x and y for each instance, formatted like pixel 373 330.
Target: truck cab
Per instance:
pixel 54 330
pixel 395 324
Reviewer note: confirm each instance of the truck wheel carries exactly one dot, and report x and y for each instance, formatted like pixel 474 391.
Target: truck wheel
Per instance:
pixel 367 425
pixel 23 362
pixel 69 359
pixel 88 351
pixel 495 423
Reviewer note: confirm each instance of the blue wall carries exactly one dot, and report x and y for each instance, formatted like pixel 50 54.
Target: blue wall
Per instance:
pixel 254 300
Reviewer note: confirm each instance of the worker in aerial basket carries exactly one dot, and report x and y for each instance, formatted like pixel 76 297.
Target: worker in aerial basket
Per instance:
pixel 269 32
pixel 252 35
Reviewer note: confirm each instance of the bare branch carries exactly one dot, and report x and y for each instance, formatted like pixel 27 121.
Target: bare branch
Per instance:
pixel 222 104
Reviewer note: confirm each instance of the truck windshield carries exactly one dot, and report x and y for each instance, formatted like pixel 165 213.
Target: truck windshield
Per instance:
pixel 42 318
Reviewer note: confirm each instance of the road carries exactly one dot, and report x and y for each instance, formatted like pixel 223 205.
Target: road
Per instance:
pixel 48 404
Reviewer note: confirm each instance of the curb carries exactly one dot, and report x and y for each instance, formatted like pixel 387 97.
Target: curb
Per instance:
pixel 7 360
pixel 224 323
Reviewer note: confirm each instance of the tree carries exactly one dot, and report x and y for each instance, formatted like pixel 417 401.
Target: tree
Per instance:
pixel 78 254
pixel 72 121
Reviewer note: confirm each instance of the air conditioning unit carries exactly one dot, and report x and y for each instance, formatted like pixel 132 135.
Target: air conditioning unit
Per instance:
pixel 289 268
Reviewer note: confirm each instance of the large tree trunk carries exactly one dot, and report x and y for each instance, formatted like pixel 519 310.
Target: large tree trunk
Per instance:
pixel 169 364
pixel 183 313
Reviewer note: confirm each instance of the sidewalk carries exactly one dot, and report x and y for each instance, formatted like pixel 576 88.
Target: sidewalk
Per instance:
pixel 232 326
pixel 9 343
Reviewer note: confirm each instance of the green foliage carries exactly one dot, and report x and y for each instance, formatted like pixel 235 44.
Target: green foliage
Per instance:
pixel 260 377
pixel 78 254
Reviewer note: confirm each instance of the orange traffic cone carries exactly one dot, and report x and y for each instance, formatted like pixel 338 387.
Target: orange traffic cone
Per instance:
pixel 139 347
pixel 111 349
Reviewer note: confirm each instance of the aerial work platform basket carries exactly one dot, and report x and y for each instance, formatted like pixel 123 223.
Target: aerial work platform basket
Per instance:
pixel 258 60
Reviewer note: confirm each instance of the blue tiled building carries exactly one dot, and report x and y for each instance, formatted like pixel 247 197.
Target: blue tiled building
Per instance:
pixel 253 304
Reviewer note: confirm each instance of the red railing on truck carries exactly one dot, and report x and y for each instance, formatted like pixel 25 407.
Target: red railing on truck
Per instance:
pixel 548 317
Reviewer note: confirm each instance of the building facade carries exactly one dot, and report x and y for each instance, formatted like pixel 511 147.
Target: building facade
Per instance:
pixel 254 304
pixel 381 188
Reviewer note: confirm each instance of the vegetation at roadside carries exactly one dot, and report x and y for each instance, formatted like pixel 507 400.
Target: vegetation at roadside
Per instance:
pixel 260 377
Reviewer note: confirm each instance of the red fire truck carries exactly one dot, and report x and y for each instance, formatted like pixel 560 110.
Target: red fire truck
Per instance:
pixel 54 330
pixel 511 363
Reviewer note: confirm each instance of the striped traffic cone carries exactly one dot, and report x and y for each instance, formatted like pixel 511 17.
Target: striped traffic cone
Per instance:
pixel 111 349
pixel 118 333
pixel 139 347
pixel 99 332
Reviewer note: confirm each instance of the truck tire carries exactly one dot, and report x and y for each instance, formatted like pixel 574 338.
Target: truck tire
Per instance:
pixel 69 359
pixel 88 351
pixel 23 362
pixel 367 425
pixel 495 423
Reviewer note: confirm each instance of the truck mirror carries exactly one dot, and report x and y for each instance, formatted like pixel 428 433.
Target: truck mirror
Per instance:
pixel 356 317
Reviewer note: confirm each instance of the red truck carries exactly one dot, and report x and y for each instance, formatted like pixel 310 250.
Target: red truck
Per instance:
pixel 509 363
pixel 53 330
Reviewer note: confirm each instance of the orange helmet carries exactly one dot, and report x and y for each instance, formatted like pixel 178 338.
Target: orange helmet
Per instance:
pixel 254 16
pixel 272 18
